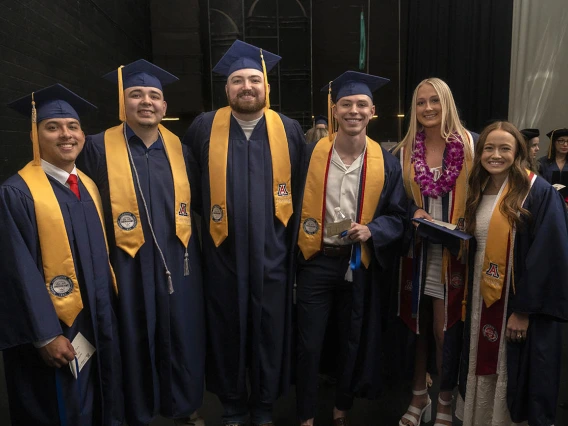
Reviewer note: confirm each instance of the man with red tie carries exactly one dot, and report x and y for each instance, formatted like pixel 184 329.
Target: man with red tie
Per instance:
pixel 58 329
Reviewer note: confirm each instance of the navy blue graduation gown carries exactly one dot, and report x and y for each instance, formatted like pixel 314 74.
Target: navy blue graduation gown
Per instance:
pixel 541 283
pixel 249 279
pixel 162 336
pixel 547 166
pixel 27 314
pixel 363 368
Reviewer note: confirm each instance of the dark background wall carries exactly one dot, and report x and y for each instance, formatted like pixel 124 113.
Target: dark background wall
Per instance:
pixel 468 45
pixel 74 42
pixel 176 47
pixel 69 42
pixel 335 40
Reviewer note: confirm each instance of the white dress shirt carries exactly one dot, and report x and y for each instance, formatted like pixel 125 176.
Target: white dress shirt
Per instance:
pixel 342 191
pixel 56 173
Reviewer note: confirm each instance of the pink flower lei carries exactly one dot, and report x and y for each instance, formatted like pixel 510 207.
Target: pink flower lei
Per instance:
pixel 453 162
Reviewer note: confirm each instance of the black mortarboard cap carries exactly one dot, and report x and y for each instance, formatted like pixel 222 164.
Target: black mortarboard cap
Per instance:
pixel 553 135
pixel 556 133
pixel 530 133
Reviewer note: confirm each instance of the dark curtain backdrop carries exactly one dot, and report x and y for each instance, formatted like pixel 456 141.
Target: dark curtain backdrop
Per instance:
pixel 468 45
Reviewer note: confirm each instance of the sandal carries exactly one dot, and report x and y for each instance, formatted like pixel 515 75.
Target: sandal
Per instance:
pixel 442 416
pixel 424 415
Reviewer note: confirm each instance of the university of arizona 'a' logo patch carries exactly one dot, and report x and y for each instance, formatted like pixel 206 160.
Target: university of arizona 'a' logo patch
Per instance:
pixel 493 270
pixel 182 209
pixel 282 190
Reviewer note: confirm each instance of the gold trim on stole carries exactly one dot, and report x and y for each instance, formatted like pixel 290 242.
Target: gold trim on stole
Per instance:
pixel 218 154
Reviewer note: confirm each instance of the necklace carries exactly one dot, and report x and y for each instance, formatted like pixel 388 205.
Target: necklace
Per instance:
pixel 453 162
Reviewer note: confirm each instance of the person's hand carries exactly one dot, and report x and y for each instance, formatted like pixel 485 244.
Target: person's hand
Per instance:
pixel 58 352
pixel 421 214
pixel 358 233
pixel 517 326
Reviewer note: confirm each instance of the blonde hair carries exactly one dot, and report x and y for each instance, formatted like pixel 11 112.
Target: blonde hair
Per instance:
pixel 450 118
pixel 315 134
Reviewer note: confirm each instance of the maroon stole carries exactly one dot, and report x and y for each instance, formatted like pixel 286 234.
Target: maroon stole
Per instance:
pixel 493 319
pixel 491 327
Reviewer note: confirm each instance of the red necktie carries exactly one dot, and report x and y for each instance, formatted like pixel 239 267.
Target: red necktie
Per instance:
pixel 74 185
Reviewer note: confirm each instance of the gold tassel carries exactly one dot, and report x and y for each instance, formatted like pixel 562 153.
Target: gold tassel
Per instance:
pixel 464 306
pixel 330 120
pixel 445 265
pixel 551 143
pixel 35 137
pixel 265 80
pixel 462 251
pixel 121 109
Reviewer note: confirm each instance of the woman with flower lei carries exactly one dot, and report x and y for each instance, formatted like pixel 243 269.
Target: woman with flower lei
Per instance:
pixel 436 156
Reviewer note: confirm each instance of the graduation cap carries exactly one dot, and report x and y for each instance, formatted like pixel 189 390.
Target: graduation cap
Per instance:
pixel 51 102
pixel 347 84
pixel 530 133
pixel 142 73
pixel 321 119
pixel 138 73
pixel 354 83
pixel 553 135
pixel 242 55
pixel 438 234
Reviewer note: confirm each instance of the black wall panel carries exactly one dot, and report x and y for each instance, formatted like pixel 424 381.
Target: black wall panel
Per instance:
pixel 43 42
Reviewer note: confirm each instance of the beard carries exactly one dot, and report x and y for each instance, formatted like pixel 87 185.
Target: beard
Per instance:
pixel 247 107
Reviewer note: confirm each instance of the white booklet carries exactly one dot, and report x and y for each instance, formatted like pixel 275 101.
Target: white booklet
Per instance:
pixel 84 352
pixel 447 225
pixel 338 228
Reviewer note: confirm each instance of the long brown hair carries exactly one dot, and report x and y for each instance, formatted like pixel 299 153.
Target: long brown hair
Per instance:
pixel 519 184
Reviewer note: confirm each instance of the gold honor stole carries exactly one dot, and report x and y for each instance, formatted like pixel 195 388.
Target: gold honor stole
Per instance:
pixel 124 204
pixel 453 270
pixel 58 265
pixel 310 238
pixel 496 274
pixel 500 240
pixel 218 153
